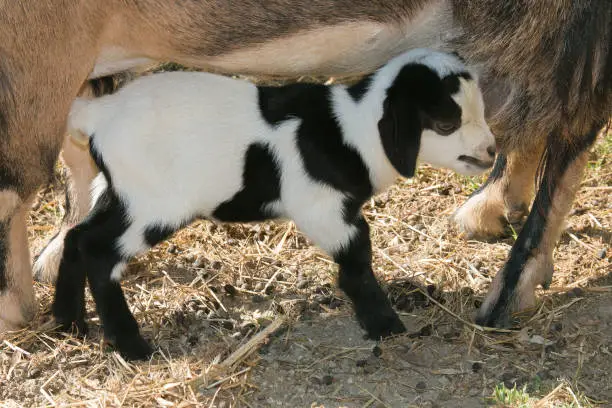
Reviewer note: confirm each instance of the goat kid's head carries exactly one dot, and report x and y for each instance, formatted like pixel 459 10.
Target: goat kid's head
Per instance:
pixel 434 112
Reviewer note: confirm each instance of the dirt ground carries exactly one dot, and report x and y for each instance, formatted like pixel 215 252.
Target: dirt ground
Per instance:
pixel 205 293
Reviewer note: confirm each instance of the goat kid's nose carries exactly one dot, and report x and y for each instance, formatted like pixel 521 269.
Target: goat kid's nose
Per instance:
pixel 491 150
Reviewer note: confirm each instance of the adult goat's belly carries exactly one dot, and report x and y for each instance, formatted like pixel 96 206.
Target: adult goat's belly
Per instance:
pixel 347 48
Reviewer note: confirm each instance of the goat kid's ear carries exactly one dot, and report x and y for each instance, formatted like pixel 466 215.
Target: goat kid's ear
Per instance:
pixel 400 133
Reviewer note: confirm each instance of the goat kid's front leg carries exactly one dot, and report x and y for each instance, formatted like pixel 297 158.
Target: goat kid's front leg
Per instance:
pixel 356 278
pixel 531 258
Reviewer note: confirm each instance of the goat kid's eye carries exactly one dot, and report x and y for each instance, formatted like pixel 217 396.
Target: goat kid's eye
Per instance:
pixel 445 128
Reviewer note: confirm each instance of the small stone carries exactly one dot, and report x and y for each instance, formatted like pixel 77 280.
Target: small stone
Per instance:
pixel 575 292
pixel 377 351
pixel 171 249
pixel 259 286
pixel 257 299
pixel 556 326
pixel 426 331
pixel 315 380
pixel 476 367
pixel 334 303
pixel 301 284
pixel 509 379
pixel 361 363
pixel 544 375
pixel 327 380
pixel 421 386
pixel 230 289
pixel 601 254
pixel 200 262
pixel 247 327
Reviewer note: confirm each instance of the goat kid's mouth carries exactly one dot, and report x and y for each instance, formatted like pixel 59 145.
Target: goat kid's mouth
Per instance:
pixel 481 164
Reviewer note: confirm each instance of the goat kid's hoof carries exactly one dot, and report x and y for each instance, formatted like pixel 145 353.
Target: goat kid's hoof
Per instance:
pixel 378 327
pixel 77 328
pixel 133 348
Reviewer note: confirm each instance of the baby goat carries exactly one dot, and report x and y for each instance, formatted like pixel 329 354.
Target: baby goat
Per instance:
pixel 179 146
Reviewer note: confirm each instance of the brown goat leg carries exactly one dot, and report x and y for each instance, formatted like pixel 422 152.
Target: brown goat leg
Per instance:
pixel 17 301
pixel 81 172
pixel 531 259
pixel 504 199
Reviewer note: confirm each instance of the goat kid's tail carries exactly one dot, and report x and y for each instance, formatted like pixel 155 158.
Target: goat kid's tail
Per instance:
pixel 80 122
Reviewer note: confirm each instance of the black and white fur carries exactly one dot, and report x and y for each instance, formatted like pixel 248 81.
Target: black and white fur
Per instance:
pixel 174 147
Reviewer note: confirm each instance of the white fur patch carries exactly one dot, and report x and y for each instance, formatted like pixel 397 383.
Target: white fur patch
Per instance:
pixel 98 185
pixel 118 270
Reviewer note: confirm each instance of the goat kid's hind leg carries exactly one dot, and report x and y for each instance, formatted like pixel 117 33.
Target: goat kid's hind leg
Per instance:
pixel 69 301
pixel 531 258
pixel 96 241
pixel 81 172
pixel 503 199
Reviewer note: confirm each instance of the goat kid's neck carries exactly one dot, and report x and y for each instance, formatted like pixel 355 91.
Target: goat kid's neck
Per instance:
pixel 358 115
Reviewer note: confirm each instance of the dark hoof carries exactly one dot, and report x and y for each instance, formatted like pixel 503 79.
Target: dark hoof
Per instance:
pixel 77 328
pixel 133 348
pixel 68 321
pixel 378 327
pixel 487 318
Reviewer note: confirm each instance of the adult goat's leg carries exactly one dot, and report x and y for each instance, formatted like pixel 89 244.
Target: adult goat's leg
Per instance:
pixel 531 262
pixel 503 199
pixel 17 302
pixel 81 172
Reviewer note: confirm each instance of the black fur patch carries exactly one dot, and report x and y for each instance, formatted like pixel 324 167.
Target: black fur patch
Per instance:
pixel 154 234
pixel 97 158
pixel 360 88
pixel 319 137
pixel 451 82
pixel 357 280
pixel 417 99
pixel 501 161
pixel 4 241
pixel 260 186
